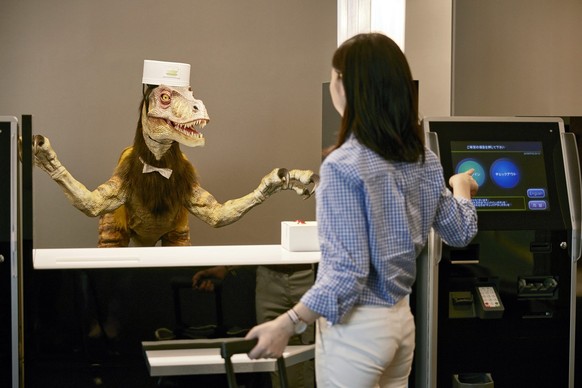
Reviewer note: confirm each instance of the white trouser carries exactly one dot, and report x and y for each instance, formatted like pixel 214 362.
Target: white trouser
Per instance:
pixel 373 347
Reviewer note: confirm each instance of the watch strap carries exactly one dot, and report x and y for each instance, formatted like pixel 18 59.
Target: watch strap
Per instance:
pixel 295 318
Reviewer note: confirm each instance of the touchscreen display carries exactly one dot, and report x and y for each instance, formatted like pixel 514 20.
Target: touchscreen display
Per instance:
pixel 511 174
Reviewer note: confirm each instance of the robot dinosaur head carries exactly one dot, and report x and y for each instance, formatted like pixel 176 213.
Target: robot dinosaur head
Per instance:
pixel 170 112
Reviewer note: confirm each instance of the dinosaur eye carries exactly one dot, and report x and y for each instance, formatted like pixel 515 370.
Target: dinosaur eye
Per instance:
pixel 165 98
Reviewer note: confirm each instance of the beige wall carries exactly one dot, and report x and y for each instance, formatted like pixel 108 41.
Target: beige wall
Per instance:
pixel 496 57
pixel 518 57
pixel 258 66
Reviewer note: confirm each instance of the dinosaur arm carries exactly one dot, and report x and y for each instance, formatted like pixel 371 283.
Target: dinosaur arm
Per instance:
pixel 203 205
pixel 105 198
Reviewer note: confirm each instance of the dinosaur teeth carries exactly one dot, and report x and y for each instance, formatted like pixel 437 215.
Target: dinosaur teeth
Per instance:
pixel 189 128
pixel 200 123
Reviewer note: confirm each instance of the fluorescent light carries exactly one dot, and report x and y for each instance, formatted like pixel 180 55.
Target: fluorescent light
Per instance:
pixel 361 16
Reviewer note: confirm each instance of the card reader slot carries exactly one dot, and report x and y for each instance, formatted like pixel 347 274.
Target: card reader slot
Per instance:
pixel 540 247
pixel 466 255
pixel 538 315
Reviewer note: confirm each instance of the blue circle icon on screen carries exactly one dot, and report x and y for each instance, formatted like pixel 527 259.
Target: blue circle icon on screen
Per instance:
pixel 505 173
pixel 467 164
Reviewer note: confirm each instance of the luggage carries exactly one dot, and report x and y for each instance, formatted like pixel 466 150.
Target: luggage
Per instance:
pixel 227 346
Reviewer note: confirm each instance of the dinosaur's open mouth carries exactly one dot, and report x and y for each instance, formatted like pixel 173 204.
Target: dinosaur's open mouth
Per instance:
pixel 189 129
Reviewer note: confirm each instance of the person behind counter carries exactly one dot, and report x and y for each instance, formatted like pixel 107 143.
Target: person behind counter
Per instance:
pixel 380 193
pixel 278 288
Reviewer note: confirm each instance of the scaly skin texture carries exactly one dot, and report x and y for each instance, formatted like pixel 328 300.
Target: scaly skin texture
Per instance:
pixel 145 208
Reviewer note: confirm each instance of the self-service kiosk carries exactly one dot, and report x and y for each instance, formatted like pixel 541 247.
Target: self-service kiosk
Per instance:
pixel 501 311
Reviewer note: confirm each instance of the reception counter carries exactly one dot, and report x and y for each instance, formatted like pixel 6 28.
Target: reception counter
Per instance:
pixel 151 257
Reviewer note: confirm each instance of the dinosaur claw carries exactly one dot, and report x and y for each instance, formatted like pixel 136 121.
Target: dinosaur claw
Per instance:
pixel 283 173
pixel 285 176
pixel 284 179
pixel 38 141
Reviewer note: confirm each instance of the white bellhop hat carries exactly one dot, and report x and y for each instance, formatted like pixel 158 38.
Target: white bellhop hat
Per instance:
pixel 166 73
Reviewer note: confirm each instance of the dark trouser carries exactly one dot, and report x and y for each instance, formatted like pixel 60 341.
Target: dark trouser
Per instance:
pixel 279 288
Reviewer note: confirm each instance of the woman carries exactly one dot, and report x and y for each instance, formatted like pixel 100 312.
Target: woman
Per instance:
pixel 380 193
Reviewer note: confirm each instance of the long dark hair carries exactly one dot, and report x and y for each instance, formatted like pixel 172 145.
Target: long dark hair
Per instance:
pixel 381 98
pixel 160 195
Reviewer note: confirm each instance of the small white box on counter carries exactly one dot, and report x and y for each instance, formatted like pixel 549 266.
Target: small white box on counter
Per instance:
pixel 299 236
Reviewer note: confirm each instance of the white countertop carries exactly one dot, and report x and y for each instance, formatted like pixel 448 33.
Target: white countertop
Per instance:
pixel 193 256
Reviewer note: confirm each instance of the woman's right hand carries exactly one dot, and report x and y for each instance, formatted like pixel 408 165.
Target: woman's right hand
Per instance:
pixel 463 184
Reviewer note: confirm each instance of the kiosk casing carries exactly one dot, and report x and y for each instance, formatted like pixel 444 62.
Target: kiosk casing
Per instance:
pixel 504 306
pixel 9 252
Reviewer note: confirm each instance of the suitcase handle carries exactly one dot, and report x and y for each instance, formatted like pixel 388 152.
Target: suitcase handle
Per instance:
pixel 229 348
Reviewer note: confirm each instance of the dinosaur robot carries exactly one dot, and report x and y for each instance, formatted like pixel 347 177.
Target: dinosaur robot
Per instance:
pixel 154 186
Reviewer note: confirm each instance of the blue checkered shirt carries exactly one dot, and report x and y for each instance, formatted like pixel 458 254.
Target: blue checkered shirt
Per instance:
pixel 374 218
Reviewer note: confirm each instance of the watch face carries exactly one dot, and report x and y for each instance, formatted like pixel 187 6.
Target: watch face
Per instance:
pixel 300 327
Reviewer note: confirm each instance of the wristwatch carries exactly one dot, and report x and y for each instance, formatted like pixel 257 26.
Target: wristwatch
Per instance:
pixel 299 325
